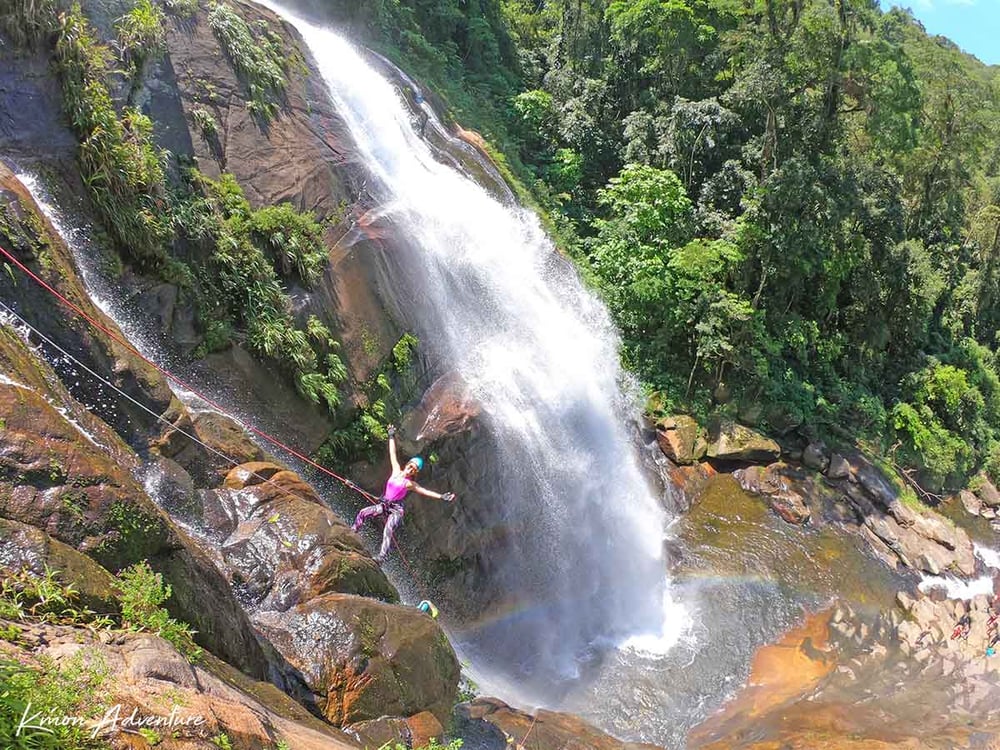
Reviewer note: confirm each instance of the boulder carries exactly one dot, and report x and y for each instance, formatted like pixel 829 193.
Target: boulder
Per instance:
pixel 682 442
pixel 216 430
pixel 791 506
pixel 781 419
pixel 777 484
pixel 280 545
pixel 549 730
pixel 143 672
pixel 446 409
pixel 383 732
pixel 970 502
pixel 172 488
pixel 839 468
pixel 987 492
pixel 730 441
pixel 362 659
pixel 424 728
pixel 24 547
pixel 815 456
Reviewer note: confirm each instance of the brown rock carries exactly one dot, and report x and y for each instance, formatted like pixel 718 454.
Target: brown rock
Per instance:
pixel 987 492
pixel 447 408
pixel 424 727
pixel 282 546
pixel 145 673
pixel 249 474
pixel 791 506
pixel 683 443
pixel 549 730
pixel 363 659
pixel 67 473
pixel 839 467
pixel 383 732
pixel 730 441
pixel 24 547
pixel 970 502
pixel 215 430
pixel 777 483
pixel 815 456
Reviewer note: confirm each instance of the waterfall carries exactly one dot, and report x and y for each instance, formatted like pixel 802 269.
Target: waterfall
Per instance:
pixel 488 293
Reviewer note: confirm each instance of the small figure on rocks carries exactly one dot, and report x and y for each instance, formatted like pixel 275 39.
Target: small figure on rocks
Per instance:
pixel 399 485
pixel 962 628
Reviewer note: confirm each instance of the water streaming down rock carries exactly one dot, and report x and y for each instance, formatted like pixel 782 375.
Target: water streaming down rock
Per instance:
pixel 483 286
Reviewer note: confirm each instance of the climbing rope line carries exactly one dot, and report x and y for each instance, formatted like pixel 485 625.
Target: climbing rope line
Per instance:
pixel 191 436
pixel 521 745
pixel 183 384
pixel 188 387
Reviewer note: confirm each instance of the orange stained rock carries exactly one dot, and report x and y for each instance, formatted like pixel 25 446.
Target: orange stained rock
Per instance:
pixel 790 667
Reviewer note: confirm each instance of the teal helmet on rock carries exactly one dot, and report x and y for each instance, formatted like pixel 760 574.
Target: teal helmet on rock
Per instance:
pixel 418 462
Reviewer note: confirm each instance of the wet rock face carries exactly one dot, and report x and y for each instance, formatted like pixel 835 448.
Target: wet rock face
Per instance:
pixel 363 659
pixel 26 233
pixel 282 546
pixel 841 682
pixel 491 724
pixel 304 155
pixel 68 474
pixel 303 575
pixel 24 547
pixel 901 536
pixel 32 105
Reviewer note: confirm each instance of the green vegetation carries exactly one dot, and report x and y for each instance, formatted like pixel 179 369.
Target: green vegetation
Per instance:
pixel 72 689
pixel 26 597
pixel 121 168
pixel 181 8
pixel 248 250
pixel 237 258
pixel 141 39
pixel 142 592
pixel 26 23
pixel 256 54
pixel 795 204
pixel 385 392
pixel 205 122
pixel 432 745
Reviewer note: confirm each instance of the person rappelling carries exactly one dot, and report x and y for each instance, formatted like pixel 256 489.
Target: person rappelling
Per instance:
pixel 399 485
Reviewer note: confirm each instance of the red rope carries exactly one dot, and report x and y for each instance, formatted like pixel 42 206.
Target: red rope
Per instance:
pixel 186 386
pixel 521 745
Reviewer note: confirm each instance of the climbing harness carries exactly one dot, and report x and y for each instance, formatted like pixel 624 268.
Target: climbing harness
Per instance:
pixel 186 386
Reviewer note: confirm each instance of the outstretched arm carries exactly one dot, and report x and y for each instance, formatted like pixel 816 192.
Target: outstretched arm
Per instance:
pixel 446 496
pixel 392 448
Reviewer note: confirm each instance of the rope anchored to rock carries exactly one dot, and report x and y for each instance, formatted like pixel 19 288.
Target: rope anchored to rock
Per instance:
pixel 187 387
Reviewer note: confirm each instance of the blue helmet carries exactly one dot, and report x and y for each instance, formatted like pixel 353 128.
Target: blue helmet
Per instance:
pixel 418 462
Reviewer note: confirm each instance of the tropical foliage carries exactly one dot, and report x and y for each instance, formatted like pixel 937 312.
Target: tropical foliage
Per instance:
pixel 796 201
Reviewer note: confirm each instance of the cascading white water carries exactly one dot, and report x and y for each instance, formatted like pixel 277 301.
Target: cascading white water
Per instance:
pixel 490 295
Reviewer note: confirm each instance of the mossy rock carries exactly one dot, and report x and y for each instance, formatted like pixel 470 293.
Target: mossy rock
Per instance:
pixel 731 441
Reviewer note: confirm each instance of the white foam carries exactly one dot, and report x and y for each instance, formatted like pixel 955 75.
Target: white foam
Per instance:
pixel 956 588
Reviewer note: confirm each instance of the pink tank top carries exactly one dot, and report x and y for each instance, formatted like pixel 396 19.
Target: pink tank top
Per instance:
pixel 395 488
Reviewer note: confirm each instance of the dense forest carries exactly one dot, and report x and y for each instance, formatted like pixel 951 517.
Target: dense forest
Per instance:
pixel 792 207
